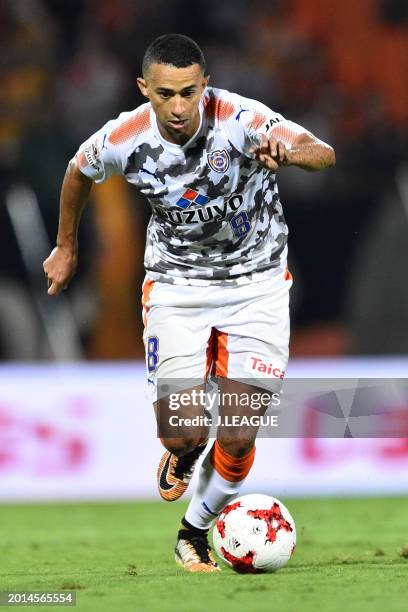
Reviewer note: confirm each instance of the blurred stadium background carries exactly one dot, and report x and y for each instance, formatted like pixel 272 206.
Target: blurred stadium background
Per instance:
pixel 73 431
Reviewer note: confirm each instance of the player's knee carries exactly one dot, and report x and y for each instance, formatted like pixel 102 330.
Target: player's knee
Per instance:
pixel 236 447
pixel 179 446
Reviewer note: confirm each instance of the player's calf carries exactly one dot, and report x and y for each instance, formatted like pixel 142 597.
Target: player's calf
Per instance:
pixel 236 446
pixel 180 446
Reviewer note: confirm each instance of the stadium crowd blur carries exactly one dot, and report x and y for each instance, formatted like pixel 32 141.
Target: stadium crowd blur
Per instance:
pixel 338 68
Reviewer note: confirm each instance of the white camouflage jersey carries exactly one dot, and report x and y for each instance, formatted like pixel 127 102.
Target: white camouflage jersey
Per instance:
pixel 216 213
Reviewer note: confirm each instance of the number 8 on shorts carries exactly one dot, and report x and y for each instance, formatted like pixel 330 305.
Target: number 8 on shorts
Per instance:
pixel 152 356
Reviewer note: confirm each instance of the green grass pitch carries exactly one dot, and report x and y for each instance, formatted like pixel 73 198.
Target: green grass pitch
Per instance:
pixel 119 556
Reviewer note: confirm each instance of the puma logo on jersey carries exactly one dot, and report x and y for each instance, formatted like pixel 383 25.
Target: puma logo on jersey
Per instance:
pixel 242 110
pixel 153 174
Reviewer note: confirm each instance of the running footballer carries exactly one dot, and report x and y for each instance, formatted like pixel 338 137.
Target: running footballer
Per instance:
pixel 216 292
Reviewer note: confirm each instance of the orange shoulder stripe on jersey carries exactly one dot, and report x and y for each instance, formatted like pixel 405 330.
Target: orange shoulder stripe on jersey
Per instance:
pixel 215 108
pixel 228 467
pixel 284 133
pixel 131 127
pixel 221 354
pixel 257 121
pixel 147 289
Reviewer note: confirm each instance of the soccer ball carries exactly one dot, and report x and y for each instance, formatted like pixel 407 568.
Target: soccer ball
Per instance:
pixel 255 533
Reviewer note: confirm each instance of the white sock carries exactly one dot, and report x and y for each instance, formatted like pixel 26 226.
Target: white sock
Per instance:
pixel 212 494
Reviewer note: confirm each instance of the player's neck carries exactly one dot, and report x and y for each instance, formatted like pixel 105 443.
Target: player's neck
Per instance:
pixel 179 139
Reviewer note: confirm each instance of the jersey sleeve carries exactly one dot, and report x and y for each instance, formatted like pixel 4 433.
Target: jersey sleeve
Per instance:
pixel 253 119
pixel 98 158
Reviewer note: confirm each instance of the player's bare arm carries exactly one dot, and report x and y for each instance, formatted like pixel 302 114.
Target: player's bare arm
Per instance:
pixel 307 152
pixel 61 265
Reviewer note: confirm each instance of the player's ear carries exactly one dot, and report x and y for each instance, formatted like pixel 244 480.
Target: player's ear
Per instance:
pixel 142 86
pixel 205 81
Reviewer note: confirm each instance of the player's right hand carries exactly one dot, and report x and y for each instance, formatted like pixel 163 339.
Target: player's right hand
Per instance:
pixel 270 153
pixel 59 268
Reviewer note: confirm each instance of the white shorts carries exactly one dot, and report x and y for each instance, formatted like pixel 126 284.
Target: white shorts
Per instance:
pixel 238 332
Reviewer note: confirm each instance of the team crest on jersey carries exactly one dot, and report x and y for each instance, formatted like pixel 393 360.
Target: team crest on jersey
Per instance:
pixel 219 160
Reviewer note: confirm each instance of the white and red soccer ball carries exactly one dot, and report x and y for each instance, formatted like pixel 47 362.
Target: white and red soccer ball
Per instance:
pixel 255 533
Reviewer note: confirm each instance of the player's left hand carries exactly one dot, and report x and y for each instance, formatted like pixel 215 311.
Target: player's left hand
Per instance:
pixel 271 153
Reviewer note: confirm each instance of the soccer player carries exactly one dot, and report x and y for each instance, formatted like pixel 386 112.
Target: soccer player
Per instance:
pixel 216 293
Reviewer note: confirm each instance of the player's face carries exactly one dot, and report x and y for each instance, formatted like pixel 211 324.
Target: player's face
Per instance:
pixel 175 95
